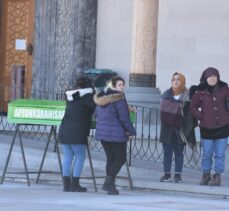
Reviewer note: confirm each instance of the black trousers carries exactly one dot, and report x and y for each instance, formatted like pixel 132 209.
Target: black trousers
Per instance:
pixel 116 156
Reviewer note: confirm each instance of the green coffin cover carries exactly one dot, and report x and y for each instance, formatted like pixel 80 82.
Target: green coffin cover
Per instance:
pixel 43 112
pixel 29 111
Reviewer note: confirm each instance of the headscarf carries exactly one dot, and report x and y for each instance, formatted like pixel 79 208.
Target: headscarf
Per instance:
pixel 209 72
pixel 206 74
pixel 181 88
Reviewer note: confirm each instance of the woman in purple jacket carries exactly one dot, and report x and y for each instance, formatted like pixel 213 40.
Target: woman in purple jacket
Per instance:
pixel 113 129
pixel 208 106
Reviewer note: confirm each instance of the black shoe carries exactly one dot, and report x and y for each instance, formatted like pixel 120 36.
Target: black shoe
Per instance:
pixel 177 178
pixel 66 184
pixel 107 183
pixel 105 186
pixel 112 190
pixel 166 177
pixel 78 188
pixel 75 186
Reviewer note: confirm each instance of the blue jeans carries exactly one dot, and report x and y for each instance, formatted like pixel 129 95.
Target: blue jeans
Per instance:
pixel 216 147
pixel 74 156
pixel 168 155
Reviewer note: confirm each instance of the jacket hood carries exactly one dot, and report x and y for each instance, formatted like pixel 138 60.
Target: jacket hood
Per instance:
pixel 78 93
pixel 105 99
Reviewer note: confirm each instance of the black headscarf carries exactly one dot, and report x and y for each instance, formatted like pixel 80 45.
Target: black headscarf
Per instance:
pixel 209 72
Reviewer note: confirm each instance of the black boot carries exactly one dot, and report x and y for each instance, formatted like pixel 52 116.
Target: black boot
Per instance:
pixel 66 184
pixel 107 183
pixel 75 186
pixel 112 188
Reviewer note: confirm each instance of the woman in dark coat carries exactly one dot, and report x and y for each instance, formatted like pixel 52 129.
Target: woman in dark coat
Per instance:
pixel 177 126
pixel 74 131
pixel 113 129
pixel 208 106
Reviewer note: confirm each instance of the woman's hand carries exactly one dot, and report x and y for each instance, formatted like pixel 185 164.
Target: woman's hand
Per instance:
pixel 128 135
pixel 132 109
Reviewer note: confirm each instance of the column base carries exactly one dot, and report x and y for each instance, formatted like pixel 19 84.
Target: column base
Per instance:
pixel 143 96
pixel 142 80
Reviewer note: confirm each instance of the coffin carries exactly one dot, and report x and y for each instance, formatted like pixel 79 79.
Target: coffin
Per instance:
pixel 43 112
pixel 30 111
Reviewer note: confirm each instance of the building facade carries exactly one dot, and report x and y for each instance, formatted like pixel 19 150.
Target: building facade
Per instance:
pixel 144 41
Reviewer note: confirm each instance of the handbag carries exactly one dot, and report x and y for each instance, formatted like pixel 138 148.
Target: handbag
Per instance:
pixel 171 113
pixel 171 107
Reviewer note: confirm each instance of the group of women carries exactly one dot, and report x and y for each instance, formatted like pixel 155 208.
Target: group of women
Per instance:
pixel 205 105
pixel 113 129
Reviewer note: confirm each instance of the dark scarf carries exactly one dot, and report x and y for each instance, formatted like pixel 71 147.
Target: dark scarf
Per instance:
pixel 210 88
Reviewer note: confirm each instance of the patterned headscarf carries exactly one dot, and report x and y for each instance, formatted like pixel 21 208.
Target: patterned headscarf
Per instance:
pixel 181 88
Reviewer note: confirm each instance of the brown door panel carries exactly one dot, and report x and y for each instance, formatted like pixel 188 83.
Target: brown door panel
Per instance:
pixel 17 24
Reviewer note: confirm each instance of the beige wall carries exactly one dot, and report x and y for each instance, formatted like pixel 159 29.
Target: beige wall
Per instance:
pixel 192 35
pixel 114 36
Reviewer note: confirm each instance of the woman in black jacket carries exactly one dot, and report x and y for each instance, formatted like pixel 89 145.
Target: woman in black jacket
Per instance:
pixel 74 130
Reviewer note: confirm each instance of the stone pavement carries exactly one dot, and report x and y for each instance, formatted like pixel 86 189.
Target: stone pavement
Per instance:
pixel 19 197
pixel 145 175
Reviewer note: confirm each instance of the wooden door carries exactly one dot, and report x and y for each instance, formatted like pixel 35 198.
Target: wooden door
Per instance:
pixel 17 27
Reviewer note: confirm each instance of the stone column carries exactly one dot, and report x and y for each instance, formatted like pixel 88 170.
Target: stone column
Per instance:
pixel 142 78
pixel 144 44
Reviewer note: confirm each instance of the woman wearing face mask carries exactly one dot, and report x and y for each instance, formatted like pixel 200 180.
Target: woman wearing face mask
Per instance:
pixel 113 128
pixel 208 105
pixel 177 126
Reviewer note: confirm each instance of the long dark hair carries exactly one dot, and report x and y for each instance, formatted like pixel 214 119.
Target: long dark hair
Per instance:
pixel 84 82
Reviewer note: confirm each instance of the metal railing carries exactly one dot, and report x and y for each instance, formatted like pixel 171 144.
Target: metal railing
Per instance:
pixel 144 146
